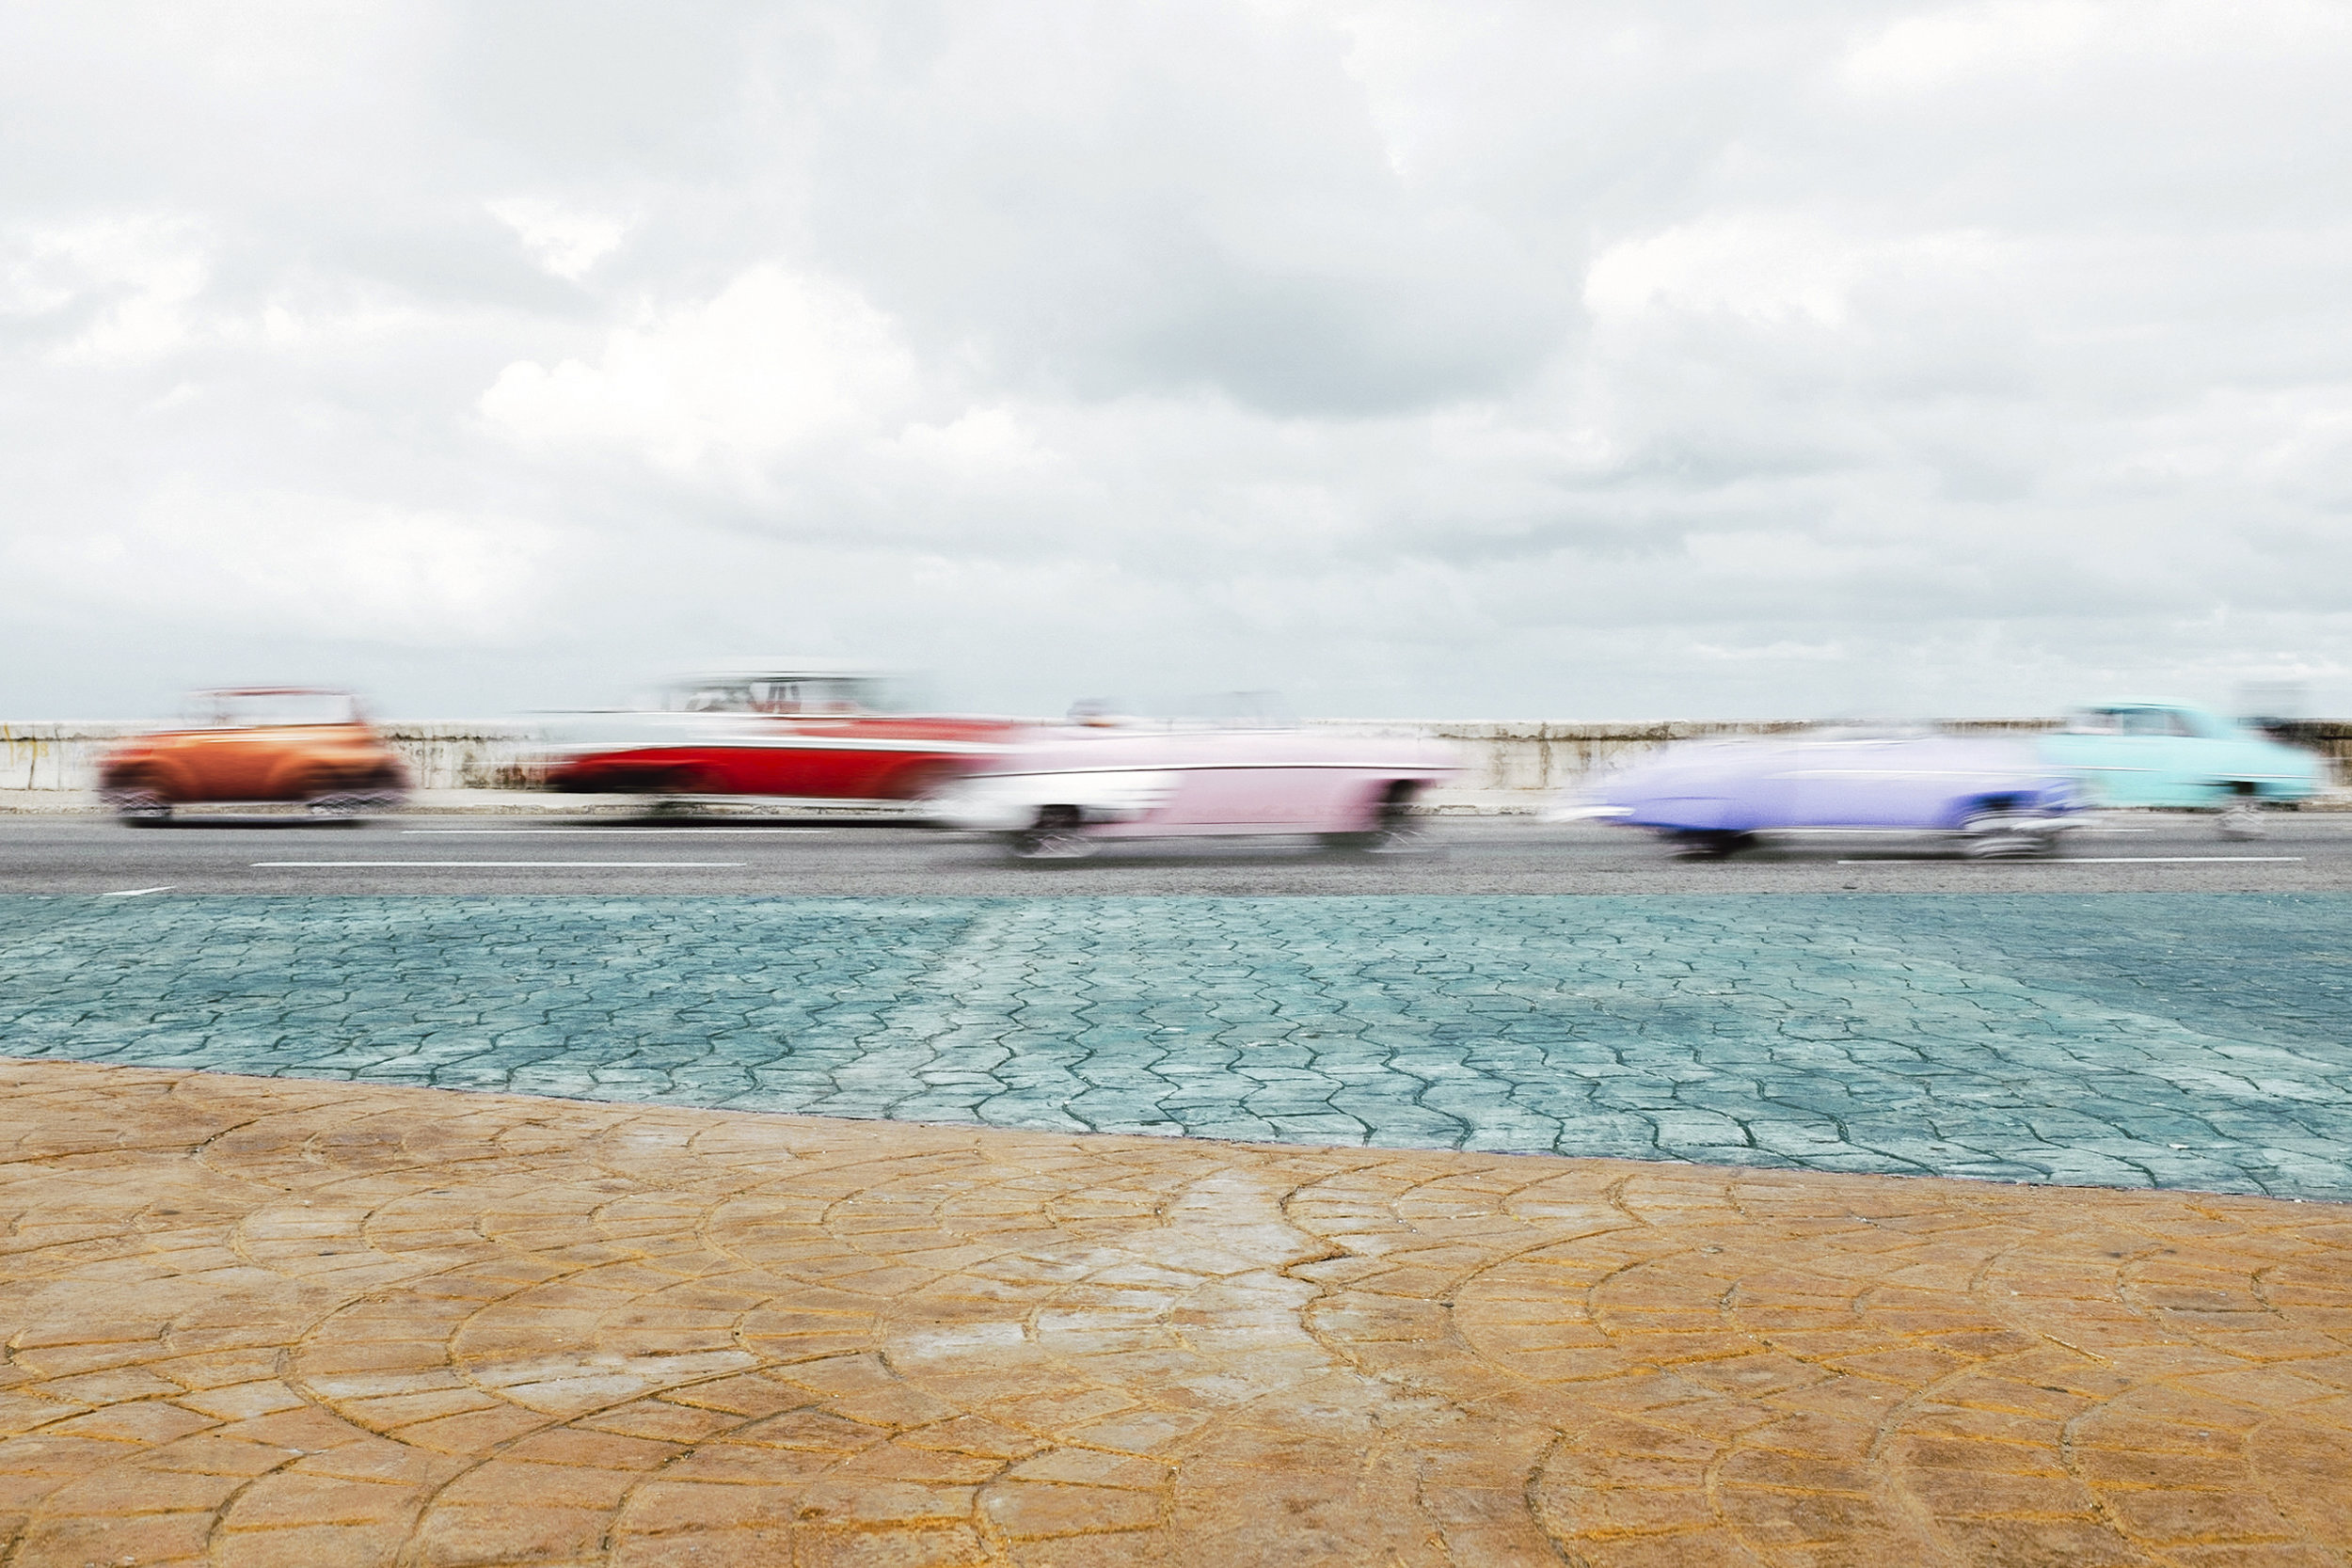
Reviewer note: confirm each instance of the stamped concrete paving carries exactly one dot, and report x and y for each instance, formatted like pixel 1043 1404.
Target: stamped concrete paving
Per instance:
pixel 263 1322
pixel 2171 1041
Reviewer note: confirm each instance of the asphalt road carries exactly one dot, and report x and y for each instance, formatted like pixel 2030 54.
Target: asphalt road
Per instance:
pixel 420 854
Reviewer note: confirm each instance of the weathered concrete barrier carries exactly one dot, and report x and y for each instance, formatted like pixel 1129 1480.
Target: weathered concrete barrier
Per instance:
pixel 63 755
pixel 1518 756
pixel 1513 758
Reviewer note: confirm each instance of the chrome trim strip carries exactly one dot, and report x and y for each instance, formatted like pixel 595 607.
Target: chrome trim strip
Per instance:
pixel 1420 773
pixel 794 743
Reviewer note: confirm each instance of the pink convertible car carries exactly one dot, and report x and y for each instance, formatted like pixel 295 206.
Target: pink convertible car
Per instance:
pixel 1059 793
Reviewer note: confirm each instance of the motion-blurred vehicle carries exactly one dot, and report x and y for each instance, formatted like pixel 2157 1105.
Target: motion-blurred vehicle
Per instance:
pixel 2159 753
pixel 257 744
pixel 796 729
pixel 1992 796
pixel 1062 792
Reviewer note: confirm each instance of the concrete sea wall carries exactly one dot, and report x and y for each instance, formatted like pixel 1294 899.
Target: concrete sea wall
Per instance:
pixel 441 754
pixel 1507 758
pixel 1516 758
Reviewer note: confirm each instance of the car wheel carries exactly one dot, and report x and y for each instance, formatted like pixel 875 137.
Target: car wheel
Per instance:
pixel 137 804
pixel 1387 840
pixel 2242 819
pixel 382 791
pixel 682 793
pixel 1989 835
pixel 336 805
pixel 1400 832
pixel 1059 834
pixel 1710 846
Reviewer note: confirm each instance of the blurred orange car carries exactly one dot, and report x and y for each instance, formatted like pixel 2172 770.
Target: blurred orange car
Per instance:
pixel 256 743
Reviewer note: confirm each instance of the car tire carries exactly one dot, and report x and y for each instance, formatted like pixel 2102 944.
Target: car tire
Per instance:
pixel 683 793
pixel 339 806
pixel 2242 819
pixel 137 805
pixel 1989 835
pixel 1398 833
pixel 1711 846
pixel 1057 835
pixel 1387 841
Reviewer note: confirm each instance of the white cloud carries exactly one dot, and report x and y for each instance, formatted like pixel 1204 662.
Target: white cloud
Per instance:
pixel 106 289
pixel 1959 45
pixel 976 443
pixel 1770 269
pixel 316 566
pixel 773 361
pixel 1940 48
pixel 565 241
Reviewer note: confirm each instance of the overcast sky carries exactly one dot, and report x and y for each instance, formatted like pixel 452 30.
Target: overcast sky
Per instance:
pixel 1567 361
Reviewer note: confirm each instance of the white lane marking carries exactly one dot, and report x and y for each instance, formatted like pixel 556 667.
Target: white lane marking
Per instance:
pixel 138 891
pixel 728 832
pixel 569 864
pixel 2082 860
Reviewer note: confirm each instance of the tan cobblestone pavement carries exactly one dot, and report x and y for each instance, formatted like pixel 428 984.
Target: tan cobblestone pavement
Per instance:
pixel 275 1322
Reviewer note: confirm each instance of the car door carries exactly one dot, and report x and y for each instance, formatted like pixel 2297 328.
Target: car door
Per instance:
pixel 2201 767
pixel 1841 783
pixel 2121 757
pixel 1223 782
pixel 1780 786
pixel 227 763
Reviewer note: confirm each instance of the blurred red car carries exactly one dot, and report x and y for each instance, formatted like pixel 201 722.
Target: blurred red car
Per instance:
pixel 798 729
pixel 256 743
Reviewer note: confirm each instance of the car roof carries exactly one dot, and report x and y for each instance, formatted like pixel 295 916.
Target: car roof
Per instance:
pixel 778 669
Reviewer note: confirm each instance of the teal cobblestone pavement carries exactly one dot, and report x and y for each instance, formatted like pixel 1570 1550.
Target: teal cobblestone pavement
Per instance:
pixel 2167 1040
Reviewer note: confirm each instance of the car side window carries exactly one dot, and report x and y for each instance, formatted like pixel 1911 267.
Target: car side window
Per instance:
pixel 2148 722
pixel 715 699
pixel 833 696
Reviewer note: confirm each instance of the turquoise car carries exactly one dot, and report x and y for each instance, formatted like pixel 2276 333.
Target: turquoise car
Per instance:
pixel 2157 754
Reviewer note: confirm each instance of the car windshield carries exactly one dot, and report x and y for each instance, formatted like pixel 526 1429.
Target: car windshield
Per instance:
pixel 248 710
pixel 786 694
pixel 2177 722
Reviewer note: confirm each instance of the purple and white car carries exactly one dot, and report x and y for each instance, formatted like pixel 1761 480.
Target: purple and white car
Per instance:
pixel 1989 795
